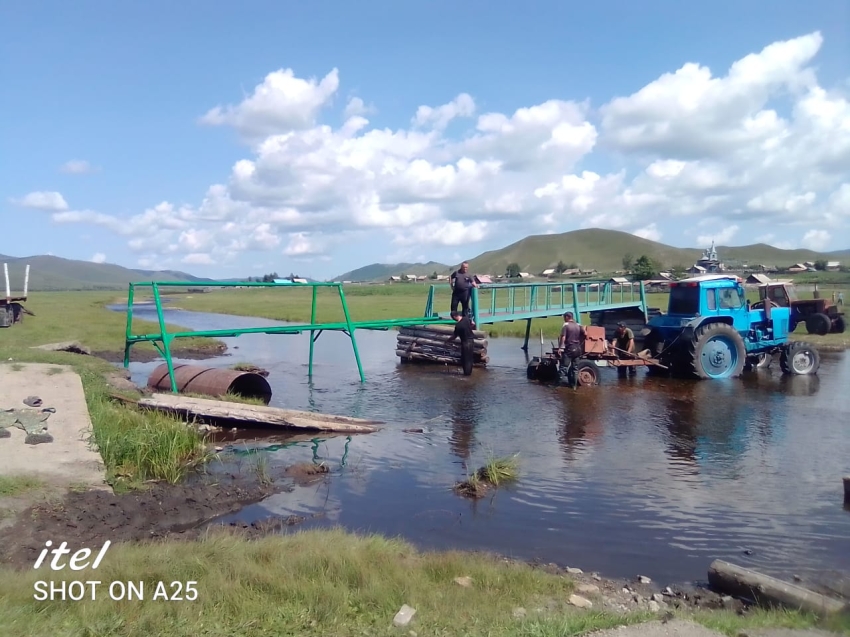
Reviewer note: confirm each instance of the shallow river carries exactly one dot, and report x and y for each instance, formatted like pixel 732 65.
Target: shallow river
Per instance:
pixel 639 475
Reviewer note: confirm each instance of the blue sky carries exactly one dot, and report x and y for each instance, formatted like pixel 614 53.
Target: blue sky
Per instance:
pixel 124 89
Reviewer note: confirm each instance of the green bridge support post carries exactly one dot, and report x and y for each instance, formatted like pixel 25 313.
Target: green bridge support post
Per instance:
pixel 313 337
pixel 131 293
pixel 166 345
pixel 351 332
pixel 476 314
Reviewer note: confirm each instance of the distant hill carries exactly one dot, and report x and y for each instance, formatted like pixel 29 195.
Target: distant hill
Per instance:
pixel 383 271
pixel 595 249
pixel 603 250
pixel 55 273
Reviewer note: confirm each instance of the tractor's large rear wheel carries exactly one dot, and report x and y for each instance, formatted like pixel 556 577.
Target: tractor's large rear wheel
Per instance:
pixel 716 351
pixel 819 324
pixel 800 359
pixel 838 325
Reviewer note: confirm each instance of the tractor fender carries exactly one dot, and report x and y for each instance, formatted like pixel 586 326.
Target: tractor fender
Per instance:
pixel 696 323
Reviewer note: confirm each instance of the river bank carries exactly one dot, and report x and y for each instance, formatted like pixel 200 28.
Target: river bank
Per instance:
pixel 269 578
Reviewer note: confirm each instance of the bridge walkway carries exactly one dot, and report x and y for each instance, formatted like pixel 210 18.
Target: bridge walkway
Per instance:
pixel 508 302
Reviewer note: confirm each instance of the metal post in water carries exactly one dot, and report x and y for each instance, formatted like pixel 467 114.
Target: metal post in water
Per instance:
pixel 312 338
pixel 127 343
pixel 527 334
pixel 166 346
pixel 350 326
pixel 475 312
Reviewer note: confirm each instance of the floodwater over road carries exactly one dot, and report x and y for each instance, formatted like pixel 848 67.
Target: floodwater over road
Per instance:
pixel 637 475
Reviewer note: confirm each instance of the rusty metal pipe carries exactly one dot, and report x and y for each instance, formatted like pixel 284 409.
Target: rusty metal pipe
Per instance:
pixel 211 381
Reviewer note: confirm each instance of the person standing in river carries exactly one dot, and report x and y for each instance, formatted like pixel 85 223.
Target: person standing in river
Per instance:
pixel 570 348
pixel 464 327
pixel 462 283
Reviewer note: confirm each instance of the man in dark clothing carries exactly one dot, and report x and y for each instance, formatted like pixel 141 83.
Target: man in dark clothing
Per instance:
pixel 462 283
pixel 464 327
pixel 570 348
pixel 624 341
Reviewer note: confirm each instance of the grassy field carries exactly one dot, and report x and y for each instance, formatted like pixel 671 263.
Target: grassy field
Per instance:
pixel 323 583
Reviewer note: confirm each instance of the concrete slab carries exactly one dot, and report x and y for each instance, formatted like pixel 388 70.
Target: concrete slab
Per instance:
pixel 67 460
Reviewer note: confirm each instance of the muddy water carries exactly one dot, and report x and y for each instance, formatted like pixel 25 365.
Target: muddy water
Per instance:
pixel 638 475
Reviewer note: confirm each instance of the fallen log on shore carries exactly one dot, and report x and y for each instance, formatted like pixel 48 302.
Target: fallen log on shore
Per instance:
pixel 236 414
pixel 765 590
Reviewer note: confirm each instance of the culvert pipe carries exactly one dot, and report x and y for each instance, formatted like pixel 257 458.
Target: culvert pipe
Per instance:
pixel 194 379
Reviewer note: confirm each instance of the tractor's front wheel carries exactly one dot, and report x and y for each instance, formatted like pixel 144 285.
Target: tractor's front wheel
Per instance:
pixel 716 351
pixel 800 359
pixel 838 325
pixel 587 373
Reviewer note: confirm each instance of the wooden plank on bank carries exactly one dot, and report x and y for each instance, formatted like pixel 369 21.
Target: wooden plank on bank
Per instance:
pixel 256 414
pixel 763 589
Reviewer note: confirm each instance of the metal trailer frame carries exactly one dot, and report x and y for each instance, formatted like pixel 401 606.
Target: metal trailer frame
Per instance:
pixel 162 339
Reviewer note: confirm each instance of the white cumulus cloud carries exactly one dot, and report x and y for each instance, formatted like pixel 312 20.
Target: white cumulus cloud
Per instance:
pixel 710 154
pixel 76 167
pixel 98 257
pixel 47 201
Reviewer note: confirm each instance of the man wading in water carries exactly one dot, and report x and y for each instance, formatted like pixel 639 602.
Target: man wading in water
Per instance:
pixel 570 348
pixel 463 331
pixel 462 284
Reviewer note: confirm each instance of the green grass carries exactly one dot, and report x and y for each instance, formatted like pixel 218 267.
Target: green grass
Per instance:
pixel 498 471
pixel 323 583
pixel 12 486
pixel 83 317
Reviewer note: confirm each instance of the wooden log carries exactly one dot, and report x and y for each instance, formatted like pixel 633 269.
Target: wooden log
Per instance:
pixel 437 336
pixel 428 347
pixel 256 414
pixel 442 329
pixel 765 590
pixel 435 351
pixel 434 358
pixel 402 339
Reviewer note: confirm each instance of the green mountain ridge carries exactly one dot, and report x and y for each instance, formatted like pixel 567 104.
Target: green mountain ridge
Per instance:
pixel 602 250
pixel 383 271
pixel 50 273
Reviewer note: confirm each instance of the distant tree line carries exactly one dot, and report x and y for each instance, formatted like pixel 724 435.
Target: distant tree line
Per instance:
pixel 270 278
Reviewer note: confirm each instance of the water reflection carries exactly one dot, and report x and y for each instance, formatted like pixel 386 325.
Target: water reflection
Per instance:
pixel 465 415
pixel 582 418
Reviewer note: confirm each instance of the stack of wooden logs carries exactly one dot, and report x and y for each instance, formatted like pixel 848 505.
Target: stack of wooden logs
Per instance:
pixel 427 344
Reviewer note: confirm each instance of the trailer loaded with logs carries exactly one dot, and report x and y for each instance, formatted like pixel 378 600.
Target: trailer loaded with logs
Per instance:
pixel 429 344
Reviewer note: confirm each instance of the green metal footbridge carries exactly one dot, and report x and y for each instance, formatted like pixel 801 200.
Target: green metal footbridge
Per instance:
pixel 490 303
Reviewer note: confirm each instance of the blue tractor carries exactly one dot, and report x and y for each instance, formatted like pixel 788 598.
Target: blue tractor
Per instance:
pixel 710 331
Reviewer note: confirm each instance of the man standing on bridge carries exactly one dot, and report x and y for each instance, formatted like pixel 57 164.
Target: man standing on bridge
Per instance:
pixel 464 327
pixel 570 348
pixel 462 283
pixel 624 342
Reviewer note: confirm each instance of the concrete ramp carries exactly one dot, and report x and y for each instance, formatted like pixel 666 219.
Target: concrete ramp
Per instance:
pixel 65 461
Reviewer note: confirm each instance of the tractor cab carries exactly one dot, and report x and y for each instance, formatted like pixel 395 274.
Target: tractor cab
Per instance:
pixel 781 294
